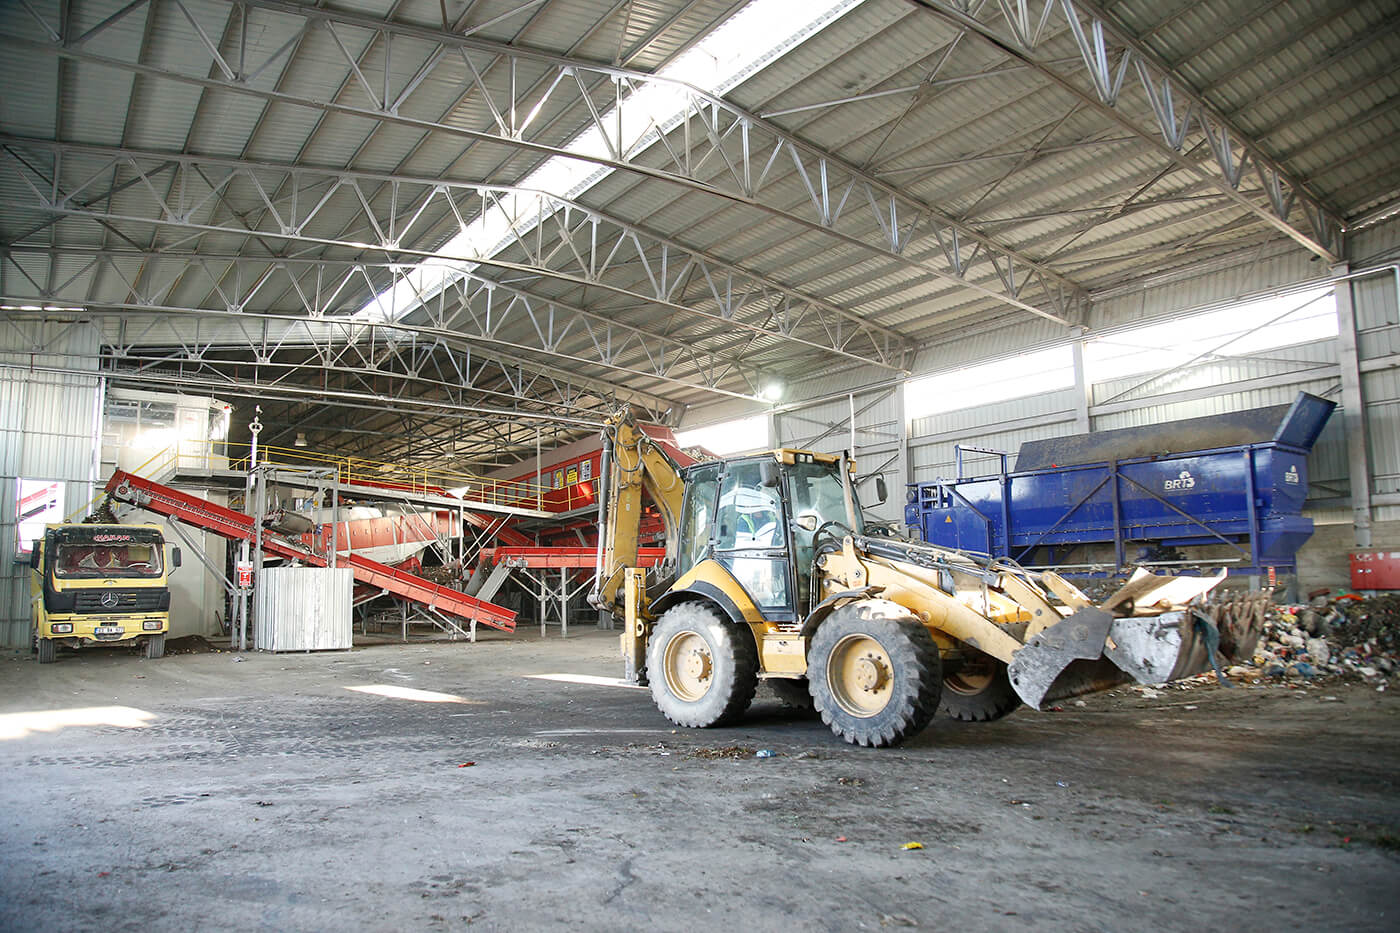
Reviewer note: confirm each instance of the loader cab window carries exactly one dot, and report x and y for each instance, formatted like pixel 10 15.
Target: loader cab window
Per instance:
pixel 750 514
pixel 750 536
pixel 697 519
pixel 814 493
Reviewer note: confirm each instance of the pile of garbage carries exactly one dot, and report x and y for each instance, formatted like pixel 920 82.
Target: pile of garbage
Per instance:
pixel 1342 635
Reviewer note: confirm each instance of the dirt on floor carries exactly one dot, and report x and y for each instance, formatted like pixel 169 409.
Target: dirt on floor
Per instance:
pixel 191 644
pixel 328 791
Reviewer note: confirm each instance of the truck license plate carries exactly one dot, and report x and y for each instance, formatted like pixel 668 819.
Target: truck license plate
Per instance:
pixel 101 630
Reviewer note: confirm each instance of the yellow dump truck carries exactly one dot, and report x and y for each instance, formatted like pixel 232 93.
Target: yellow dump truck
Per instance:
pixel 101 585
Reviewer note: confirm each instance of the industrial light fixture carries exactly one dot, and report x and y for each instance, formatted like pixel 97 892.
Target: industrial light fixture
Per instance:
pixel 772 392
pixel 301 439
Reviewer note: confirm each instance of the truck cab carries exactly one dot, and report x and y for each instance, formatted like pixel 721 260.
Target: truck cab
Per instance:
pixel 101 584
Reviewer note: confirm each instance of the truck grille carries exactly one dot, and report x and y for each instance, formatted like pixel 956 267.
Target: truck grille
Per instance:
pixel 126 600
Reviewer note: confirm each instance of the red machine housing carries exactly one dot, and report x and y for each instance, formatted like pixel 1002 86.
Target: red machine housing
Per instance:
pixel 1375 570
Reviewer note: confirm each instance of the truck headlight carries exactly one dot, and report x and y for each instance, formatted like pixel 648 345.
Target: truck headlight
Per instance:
pixel 151 625
pixel 61 628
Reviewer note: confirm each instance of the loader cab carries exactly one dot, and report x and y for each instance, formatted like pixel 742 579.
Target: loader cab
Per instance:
pixel 758 518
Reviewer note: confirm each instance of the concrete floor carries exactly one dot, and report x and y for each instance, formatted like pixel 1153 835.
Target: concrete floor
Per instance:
pixel 208 793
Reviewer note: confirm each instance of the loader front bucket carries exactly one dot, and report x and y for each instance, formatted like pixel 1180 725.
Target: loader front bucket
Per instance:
pixel 1036 665
pixel 1156 648
pixel 1153 650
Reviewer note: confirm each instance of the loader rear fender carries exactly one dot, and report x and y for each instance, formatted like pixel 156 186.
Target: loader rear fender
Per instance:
pixel 714 597
pixel 701 591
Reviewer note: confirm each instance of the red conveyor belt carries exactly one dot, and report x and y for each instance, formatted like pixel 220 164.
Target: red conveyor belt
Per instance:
pixel 236 526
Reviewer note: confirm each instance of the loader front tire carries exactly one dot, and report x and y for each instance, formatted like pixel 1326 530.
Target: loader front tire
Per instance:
pixel 875 673
pixel 703 669
pixel 980 691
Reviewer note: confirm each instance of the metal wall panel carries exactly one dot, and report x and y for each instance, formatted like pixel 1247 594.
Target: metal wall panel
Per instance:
pixel 934 460
pixel 1030 334
pixel 1382 393
pixel 1375 244
pixel 1191 289
pixel 1050 406
pixel 1377 315
pixel 303 609
pixel 49 424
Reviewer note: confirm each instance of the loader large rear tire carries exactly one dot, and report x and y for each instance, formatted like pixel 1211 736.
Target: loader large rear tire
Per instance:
pixel 703 669
pixel 875 673
pixel 979 692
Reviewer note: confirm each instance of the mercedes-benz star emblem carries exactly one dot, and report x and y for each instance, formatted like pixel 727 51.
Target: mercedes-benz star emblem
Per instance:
pixel 110 599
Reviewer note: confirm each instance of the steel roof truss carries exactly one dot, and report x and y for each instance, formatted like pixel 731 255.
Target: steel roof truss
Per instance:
pixel 589 250
pixel 1107 55
pixel 709 130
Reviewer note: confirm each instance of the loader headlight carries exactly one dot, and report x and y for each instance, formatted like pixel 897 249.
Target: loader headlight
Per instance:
pixel 61 628
pixel 151 625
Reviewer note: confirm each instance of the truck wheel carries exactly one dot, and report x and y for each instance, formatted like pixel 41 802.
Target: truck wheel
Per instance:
pixel 979 692
pixel 875 673
pixel 794 693
pixel 48 649
pixel 703 670
pixel 155 645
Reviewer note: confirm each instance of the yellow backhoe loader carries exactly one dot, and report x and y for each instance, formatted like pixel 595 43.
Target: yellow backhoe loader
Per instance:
pixel 772 574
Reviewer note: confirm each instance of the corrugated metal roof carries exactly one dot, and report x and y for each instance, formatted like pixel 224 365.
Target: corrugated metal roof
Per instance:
pixel 984 139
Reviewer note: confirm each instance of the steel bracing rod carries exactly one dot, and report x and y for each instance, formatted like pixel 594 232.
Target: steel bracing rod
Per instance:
pixel 712 146
pixel 238 279
pixel 438 440
pixel 315 370
pixel 469 308
pixel 481 311
pixel 557 237
pixel 579 246
pixel 1180 118
pixel 410 367
pixel 242 386
pixel 382 350
pixel 395 352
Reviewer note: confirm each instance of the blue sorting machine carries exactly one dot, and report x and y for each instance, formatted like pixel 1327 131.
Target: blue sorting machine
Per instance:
pixel 1224 489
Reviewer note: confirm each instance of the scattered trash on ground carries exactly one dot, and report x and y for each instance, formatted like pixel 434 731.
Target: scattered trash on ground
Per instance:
pixel 467 764
pixel 765 753
pixel 727 751
pixel 912 845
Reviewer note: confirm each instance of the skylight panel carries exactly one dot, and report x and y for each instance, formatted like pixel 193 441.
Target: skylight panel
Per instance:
pixel 728 55
pixel 740 436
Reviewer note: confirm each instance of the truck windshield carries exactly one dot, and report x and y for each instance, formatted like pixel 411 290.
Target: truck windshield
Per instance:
pixel 76 560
